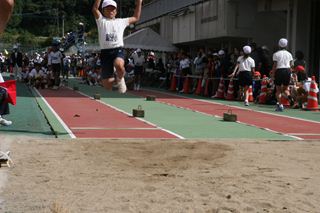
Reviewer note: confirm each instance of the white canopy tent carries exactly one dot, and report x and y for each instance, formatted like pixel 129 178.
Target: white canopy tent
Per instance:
pixel 147 39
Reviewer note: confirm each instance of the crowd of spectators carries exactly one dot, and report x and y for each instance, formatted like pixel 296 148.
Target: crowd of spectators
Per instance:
pixel 146 68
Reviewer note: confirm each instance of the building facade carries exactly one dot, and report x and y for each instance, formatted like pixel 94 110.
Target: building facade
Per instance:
pixel 215 24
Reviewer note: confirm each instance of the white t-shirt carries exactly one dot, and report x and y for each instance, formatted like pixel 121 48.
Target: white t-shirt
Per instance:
pixel 1 79
pixel 245 64
pixel 138 60
pixel 54 57
pixel 35 74
pixel 184 63
pixel 283 59
pixel 111 32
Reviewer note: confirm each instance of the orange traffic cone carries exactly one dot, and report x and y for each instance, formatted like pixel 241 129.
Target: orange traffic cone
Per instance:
pixel 186 85
pixel 250 98
pixel 220 92
pixel 312 96
pixel 230 92
pixel 264 90
pixel 198 90
pixel 173 85
pixel 284 101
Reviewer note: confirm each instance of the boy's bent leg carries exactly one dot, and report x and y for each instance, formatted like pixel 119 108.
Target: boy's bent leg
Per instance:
pixel 119 65
pixel 107 83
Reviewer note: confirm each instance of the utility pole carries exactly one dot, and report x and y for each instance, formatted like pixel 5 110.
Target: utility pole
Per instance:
pixel 58 20
pixel 62 26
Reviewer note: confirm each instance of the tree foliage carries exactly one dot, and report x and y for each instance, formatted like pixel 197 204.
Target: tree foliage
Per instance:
pixel 44 18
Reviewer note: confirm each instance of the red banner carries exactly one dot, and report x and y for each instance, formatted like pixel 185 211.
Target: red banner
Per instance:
pixel 12 91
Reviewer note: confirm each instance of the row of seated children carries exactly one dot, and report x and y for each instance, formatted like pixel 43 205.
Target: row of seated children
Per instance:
pixel 298 89
pixel 91 75
pixel 37 75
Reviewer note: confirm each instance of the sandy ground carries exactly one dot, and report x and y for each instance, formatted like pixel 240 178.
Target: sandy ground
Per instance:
pixel 160 176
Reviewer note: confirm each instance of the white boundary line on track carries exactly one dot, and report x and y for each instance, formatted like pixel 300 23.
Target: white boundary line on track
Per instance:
pixel 56 115
pixel 305 134
pixel 267 129
pixel 119 110
pixel 105 128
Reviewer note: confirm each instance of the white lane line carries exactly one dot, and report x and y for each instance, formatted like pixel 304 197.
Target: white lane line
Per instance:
pixel 119 110
pixel 104 128
pixel 56 115
pixel 306 134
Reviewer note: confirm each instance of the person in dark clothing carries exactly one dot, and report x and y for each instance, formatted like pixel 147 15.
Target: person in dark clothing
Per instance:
pixel 299 61
pixel 4 106
pixel 16 62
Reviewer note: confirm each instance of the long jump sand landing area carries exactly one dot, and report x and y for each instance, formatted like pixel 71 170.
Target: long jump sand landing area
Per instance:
pixel 83 117
pixel 234 176
pixel 296 127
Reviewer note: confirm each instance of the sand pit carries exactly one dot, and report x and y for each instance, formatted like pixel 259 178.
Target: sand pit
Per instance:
pixel 160 176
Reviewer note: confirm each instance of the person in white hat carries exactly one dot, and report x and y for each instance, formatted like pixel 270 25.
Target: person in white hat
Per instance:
pixel 138 61
pixel 282 64
pixel 245 69
pixel 110 30
pixel 6 8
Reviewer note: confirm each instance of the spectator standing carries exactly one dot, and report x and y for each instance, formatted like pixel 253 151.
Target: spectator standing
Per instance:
pixel 111 31
pixel 138 61
pixel 199 62
pixel 185 70
pixel 299 61
pixel 266 60
pixel 282 63
pixel 55 64
pixel 66 68
pixel 2 62
pixel 16 62
pixel 246 68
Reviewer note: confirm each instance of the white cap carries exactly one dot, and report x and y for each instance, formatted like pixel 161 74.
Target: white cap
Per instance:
pixel 221 52
pixel 247 49
pixel 138 50
pixel 283 43
pixel 37 61
pixel 15 47
pixel 151 53
pixel 107 3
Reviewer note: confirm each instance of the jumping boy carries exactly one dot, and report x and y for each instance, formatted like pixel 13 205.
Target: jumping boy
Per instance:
pixel 111 31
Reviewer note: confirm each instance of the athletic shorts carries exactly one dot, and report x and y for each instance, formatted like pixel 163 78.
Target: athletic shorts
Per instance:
pixel 138 70
pixel 282 77
pixel 245 78
pixel 107 58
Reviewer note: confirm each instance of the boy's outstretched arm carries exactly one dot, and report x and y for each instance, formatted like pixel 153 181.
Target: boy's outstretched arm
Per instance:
pixel 95 9
pixel 137 12
pixel 6 8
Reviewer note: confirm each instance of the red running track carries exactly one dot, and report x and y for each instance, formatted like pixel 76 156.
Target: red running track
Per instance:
pixel 88 118
pixel 291 126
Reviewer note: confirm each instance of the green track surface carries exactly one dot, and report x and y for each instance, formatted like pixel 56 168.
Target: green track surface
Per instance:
pixel 295 113
pixel 26 116
pixel 186 123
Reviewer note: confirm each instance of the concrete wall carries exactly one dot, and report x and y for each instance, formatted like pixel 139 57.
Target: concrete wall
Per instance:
pixel 184 28
pixel 162 7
